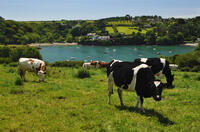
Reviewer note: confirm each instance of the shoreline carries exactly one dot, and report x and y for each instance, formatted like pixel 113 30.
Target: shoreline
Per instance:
pixel 72 44
pixel 51 44
pixel 191 44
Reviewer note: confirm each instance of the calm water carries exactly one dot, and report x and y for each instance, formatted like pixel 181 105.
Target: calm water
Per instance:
pixel 106 53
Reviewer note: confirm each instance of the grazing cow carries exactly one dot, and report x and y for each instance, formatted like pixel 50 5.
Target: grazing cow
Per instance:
pixel 88 65
pixel 95 64
pixel 159 67
pixel 103 64
pixel 131 76
pixel 173 66
pixel 32 65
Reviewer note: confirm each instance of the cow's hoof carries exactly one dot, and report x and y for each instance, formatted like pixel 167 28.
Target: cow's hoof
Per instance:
pixel 142 111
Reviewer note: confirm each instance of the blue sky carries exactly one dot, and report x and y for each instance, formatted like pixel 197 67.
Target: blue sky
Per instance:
pixel 33 10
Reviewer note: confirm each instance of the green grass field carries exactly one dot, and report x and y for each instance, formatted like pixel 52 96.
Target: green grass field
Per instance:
pixel 67 103
pixel 126 30
pixel 110 30
pixel 123 22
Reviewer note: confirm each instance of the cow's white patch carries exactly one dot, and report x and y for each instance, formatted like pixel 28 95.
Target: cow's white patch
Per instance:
pixel 163 61
pixel 144 60
pixel 114 61
pixel 157 83
pixel 131 86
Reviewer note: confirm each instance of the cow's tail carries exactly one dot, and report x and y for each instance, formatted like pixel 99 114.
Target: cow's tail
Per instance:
pixel 110 86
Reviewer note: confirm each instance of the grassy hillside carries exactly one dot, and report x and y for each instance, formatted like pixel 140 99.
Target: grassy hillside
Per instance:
pixel 67 103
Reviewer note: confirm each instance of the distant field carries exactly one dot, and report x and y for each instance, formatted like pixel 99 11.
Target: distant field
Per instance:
pixel 110 30
pixel 126 30
pixel 124 22
pixel 67 103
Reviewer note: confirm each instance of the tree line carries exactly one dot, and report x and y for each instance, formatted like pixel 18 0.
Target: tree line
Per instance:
pixel 162 31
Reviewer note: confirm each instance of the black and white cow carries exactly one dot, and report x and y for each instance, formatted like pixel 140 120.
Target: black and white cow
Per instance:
pixel 159 67
pixel 131 76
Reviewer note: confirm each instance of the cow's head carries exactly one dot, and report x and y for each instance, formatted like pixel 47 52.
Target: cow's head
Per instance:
pixel 41 75
pixel 157 88
pixel 42 72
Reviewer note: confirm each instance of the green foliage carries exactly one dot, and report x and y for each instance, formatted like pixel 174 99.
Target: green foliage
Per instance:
pixel 198 47
pixel 186 76
pixel 4 51
pixel 198 78
pixel 5 60
pixel 18 81
pixel 187 62
pixel 14 53
pixel 83 73
pixel 165 31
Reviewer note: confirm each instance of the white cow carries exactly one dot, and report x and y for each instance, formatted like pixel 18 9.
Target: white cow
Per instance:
pixel 32 65
pixel 88 65
pixel 92 64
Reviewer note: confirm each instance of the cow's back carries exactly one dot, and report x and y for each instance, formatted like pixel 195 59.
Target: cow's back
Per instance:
pixel 157 64
pixel 30 64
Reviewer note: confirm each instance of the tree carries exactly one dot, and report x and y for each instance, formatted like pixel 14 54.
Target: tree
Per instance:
pixel 76 31
pixel 180 37
pixel 150 37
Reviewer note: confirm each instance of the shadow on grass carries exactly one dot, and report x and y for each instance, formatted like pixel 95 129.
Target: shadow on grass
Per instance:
pixel 38 81
pixel 148 112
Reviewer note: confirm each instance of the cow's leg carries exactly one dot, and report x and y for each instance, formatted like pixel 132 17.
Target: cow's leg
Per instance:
pixel 138 102
pixel 141 102
pixel 120 96
pixel 110 88
pixel 22 74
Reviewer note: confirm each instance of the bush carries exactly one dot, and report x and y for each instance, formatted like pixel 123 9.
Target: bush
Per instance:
pixel 197 78
pixel 13 64
pixel 11 70
pixel 195 69
pixel 186 76
pixel 5 60
pixel 18 81
pixel 9 54
pixel 83 73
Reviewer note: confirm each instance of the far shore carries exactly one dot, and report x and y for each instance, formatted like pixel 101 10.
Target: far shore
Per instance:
pixel 191 44
pixel 51 44
pixel 71 44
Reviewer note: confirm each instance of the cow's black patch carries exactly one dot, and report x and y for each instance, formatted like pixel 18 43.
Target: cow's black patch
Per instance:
pixel 157 66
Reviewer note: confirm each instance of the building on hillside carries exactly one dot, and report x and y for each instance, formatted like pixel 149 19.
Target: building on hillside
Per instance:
pixel 198 39
pixel 91 34
pixel 103 37
pixel 147 26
